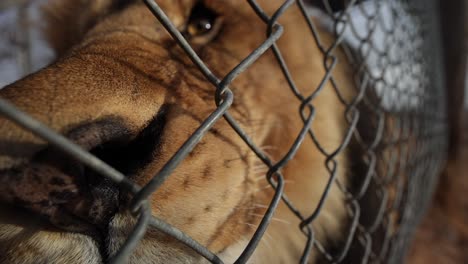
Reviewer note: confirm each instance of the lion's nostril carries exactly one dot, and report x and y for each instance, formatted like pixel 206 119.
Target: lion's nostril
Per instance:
pixel 129 156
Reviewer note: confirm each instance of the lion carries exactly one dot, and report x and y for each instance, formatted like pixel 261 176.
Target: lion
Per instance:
pixel 123 89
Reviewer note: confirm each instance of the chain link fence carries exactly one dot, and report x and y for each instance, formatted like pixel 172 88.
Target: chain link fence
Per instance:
pixel 396 126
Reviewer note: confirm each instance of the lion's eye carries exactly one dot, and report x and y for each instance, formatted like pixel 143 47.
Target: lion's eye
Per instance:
pixel 203 24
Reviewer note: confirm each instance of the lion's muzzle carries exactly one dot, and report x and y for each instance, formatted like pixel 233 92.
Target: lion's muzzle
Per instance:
pixel 64 191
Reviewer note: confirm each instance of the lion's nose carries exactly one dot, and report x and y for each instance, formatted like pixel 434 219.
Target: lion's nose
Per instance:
pixel 62 189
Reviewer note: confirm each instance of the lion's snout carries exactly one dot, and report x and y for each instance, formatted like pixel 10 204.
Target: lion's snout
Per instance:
pixel 68 194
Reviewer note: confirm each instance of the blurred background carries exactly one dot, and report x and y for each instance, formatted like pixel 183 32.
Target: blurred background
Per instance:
pixel 443 235
pixel 22 50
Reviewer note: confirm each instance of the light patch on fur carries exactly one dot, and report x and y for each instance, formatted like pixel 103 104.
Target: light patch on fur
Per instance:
pixel 154 247
pixel 31 245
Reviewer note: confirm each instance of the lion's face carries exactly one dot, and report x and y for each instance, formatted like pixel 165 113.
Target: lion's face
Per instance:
pixel 125 91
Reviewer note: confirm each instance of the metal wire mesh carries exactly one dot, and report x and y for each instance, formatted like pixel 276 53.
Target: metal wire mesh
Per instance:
pixel 396 124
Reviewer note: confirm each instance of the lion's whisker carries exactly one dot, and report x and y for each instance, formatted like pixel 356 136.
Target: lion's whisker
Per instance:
pixel 254 206
pixel 261 205
pixel 262 188
pixel 273 218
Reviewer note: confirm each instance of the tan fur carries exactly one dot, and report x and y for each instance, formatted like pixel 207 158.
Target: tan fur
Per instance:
pixel 125 65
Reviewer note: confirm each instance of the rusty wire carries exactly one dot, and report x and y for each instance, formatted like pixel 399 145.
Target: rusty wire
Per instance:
pixel 398 91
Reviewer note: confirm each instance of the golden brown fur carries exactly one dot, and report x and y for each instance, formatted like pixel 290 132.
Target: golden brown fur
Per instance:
pixel 121 64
